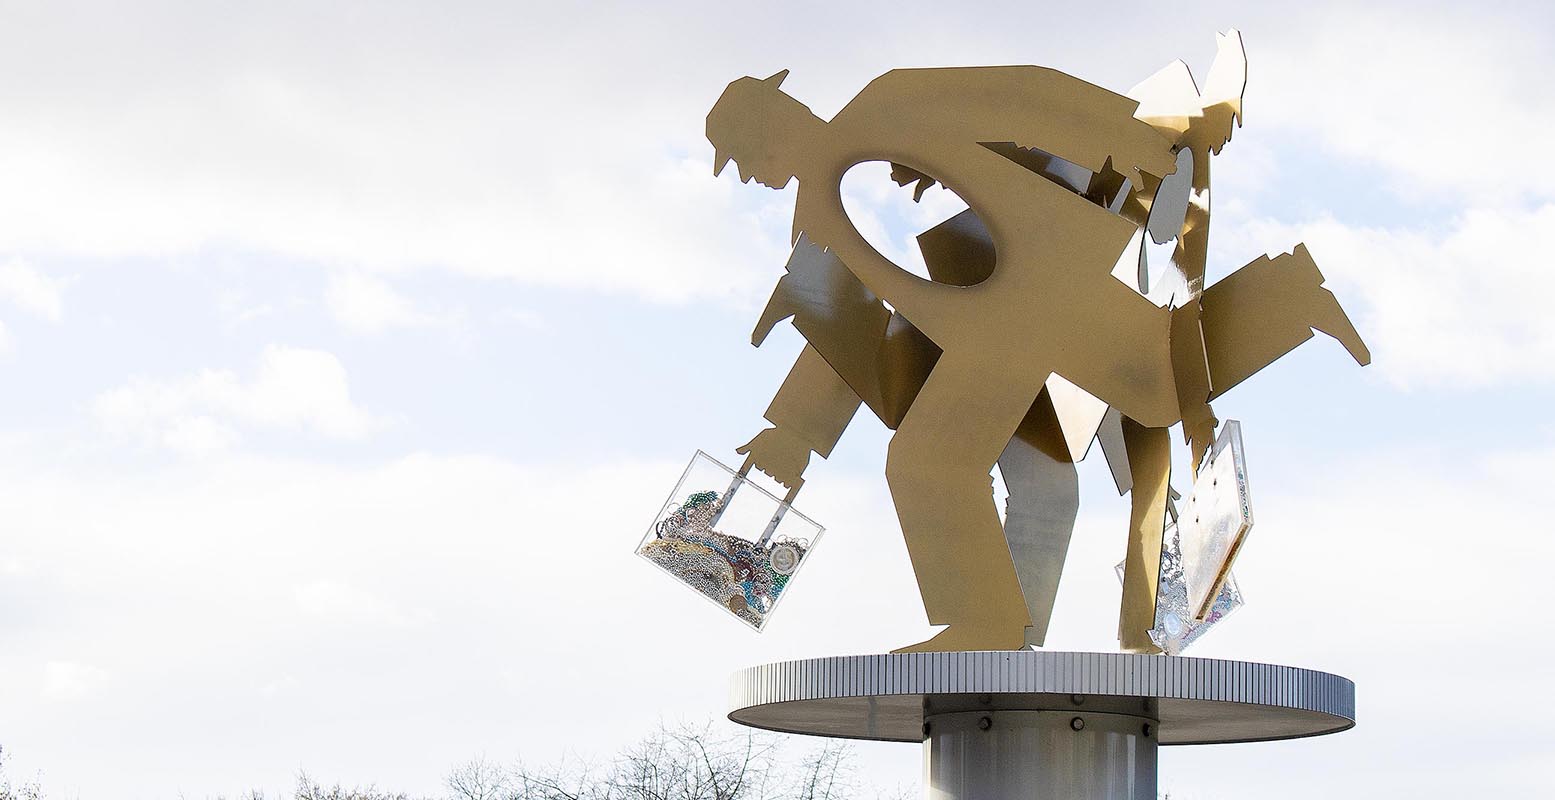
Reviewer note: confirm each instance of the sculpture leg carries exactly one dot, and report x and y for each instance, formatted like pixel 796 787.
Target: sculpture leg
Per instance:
pixel 1040 512
pixel 1150 465
pixel 939 467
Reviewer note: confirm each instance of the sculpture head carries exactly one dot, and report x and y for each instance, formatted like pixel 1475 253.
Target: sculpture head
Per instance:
pixel 762 129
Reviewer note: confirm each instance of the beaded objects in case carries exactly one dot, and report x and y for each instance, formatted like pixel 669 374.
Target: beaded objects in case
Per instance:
pixel 730 540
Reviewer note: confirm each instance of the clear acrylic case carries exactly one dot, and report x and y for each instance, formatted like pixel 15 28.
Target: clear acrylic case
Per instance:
pixel 730 540
pixel 1215 519
pixel 1175 624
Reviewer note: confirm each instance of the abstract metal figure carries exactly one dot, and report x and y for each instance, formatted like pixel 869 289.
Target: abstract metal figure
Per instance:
pixel 1021 344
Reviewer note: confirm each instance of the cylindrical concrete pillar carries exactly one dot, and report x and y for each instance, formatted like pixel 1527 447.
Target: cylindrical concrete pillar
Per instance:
pixel 1039 755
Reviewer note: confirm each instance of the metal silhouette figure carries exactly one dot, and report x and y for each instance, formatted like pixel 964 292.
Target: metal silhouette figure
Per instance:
pixel 1021 346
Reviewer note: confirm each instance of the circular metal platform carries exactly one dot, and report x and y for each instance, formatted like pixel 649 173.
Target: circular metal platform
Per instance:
pixel 1195 700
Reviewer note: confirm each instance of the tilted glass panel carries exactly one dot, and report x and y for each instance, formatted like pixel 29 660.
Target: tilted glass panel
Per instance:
pixel 1175 625
pixel 1215 519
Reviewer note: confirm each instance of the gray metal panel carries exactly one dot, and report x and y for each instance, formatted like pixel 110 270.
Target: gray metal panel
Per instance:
pixel 1200 700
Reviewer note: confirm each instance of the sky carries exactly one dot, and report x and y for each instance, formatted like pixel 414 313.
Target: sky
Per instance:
pixel 350 348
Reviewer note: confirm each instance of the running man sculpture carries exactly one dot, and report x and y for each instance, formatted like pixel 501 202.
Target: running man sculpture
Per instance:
pixel 1021 344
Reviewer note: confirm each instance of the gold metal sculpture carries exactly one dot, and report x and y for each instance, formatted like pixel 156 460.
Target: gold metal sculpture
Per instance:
pixel 1021 346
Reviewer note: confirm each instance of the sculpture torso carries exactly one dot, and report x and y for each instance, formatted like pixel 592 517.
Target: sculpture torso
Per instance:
pixel 1052 276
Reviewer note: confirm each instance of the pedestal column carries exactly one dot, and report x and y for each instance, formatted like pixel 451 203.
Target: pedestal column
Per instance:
pixel 1039 755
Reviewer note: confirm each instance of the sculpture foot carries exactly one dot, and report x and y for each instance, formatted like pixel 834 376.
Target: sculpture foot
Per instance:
pixel 958 638
pixel 1145 648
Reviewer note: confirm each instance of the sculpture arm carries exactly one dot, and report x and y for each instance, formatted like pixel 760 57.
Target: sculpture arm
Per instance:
pixel 1190 371
pixel 810 411
pixel 1263 311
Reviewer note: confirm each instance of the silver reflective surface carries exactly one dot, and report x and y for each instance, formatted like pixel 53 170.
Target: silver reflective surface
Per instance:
pixel 1044 498
pixel 1039 754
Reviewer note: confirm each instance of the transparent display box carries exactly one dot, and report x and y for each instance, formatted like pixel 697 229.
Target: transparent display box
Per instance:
pixel 1196 589
pixel 1215 519
pixel 1176 627
pixel 730 540
pixel 1176 624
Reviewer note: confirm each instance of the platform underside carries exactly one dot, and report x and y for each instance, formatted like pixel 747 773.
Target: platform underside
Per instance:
pixel 1196 701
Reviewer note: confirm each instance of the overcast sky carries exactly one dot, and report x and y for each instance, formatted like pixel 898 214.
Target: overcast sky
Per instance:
pixel 349 348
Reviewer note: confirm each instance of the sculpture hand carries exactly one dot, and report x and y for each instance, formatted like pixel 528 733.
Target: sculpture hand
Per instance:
pixel 780 454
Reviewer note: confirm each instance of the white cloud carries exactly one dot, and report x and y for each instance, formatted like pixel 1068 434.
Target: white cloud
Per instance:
pixel 242 589
pixel 1467 304
pixel 293 388
pixel 238 309
pixel 366 304
pixel 339 603
pixel 25 286
pixel 519 154
pixel 529 150
pixel 198 435
pixel 278 686
pixel 69 681
pixel 524 318
pixel 1453 101
pixel 483 162
pixel 293 591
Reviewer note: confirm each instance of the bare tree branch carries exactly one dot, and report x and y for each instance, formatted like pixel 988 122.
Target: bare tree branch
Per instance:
pixel 695 763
